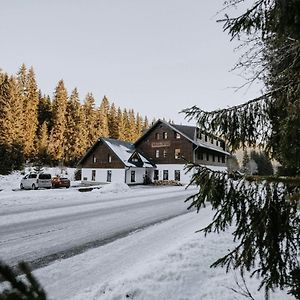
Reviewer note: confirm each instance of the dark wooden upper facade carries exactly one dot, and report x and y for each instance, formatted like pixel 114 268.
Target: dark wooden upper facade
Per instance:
pixel 163 145
pixel 101 156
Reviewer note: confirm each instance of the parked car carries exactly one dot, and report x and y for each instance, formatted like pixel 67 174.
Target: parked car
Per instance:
pixel 35 181
pixel 58 181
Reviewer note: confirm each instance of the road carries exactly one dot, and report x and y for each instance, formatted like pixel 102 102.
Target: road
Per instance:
pixel 51 225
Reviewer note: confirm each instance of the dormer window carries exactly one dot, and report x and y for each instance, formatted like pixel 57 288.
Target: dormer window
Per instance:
pixel 157 136
pixel 165 135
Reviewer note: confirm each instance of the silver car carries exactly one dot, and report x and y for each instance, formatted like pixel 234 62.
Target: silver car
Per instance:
pixel 35 181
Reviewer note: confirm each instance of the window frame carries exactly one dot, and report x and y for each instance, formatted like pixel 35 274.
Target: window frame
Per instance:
pixel 165 174
pixel 132 176
pixel 177 154
pixel 108 175
pixel 93 175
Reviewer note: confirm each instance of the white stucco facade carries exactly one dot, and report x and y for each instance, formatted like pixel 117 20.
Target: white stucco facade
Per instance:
pixel 101 175
pixel 129 175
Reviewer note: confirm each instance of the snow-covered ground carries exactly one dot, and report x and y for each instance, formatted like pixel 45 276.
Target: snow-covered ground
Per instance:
pixel 167 260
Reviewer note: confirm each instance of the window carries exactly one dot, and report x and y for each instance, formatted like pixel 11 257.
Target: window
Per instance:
pixel 205 138
pixel 177 153
pixel 109 158
pixel 132 178
pixel 200 155
pixel 165 135
pixel 157 136
pixel 32 176
pixel 156 175
pixel 177 136
pixel 134 159
pixel 217 143
pixel 85 178
pixel 157 153
pixel 165 153
pixel 219 158
pixel 207 156
pixel 223 159
pixel 177 175
pixel 165 175
pixel 93 175
pixel 108 179
pixel 94 159
pixel 212 140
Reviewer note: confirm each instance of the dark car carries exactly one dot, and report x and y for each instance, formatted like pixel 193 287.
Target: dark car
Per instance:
pixel 58 181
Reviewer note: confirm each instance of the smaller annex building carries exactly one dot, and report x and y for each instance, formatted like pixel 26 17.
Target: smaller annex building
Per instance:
pixel 161 153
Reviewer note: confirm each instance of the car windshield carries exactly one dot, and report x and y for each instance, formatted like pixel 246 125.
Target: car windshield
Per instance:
pixel 45 176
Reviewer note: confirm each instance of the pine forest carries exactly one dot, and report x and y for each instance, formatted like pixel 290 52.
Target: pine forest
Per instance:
pixel 37 128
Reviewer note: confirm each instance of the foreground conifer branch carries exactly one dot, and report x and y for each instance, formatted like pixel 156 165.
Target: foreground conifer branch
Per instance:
pixel 19 288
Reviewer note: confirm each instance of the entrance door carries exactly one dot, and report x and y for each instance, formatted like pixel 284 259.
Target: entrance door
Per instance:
pixel 156 175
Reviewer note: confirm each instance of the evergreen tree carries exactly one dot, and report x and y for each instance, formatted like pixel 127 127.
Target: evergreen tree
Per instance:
pixel 90 119
pixel 112 122
pixel 6 116
pixel 245 162
pixel 16 111
pixel 132 126
pixel 59 106
pixel 121 127
pixel 102 118
pixel 264 209
pixel 45 111
pixel 42 144
pixel 127 133
pixel 264 165
pixel 75 133
pixel 146 124
pixel 30 121
pixel 138 125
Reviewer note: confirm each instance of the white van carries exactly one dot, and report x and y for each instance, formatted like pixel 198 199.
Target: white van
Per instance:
pixel 35 181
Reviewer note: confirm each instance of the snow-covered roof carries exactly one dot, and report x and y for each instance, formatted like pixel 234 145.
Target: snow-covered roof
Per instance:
pixel 125 150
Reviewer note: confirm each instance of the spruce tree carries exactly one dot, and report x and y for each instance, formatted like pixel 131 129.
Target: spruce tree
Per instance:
pixel 121 127
pixel 75 133
pixel 132 126
pixel 145 125
pixel 113 122
pixel 102 118
pixel 127 133
pixel 138 126
pixel 90 119
pixel 264 210
pixel 6 116
pixel 59 106
pixel 30 120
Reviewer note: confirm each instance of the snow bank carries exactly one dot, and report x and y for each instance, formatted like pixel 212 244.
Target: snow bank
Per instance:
pixel 115 187
pixel 10 182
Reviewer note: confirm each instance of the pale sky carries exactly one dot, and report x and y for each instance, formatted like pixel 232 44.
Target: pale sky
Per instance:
pixel 155 56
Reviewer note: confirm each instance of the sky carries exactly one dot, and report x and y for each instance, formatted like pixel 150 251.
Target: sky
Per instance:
pixel 155 56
